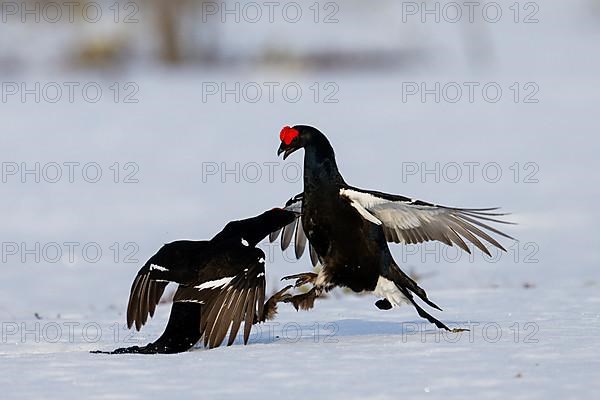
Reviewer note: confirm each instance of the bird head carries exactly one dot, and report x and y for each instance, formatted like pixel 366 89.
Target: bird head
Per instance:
pixel 253 230
pixel 279 217
pixel 295 138
pixel 256 229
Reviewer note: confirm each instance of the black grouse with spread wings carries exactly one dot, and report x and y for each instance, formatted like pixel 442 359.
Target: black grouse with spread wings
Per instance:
pixel 221 284
pixel 348 229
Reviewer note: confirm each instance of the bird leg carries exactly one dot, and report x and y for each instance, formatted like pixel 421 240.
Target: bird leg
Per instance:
pixel 304 301
pixel 270 309
pixel 302 279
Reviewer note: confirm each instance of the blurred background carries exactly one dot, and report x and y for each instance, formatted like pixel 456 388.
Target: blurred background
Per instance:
pixel 126 125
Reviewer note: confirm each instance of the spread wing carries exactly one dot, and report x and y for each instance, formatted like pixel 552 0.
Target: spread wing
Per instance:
pixel 172 263
pixel 406 220
pixel 295 231
pixel 228 302
pixel 412 221
pixel 144 297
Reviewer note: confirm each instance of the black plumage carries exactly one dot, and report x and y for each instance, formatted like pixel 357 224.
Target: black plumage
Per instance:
pixel 221 285
pixel 348 229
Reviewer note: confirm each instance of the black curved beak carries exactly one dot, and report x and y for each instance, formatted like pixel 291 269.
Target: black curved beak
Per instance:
pixel 286 150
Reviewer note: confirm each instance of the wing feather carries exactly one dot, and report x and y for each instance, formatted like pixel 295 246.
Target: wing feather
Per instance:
pixel 274 235
pixel 238 316
pixel 288 233
pixel 132 306
pixel 295 230
pixel 169 264
pixel 143 310
pixel 224 319
pixel 228 304
pixel 413 221
pixel 300 242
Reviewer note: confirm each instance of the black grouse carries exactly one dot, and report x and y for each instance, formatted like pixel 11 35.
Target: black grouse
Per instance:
pixel 221 284
pixel 348 229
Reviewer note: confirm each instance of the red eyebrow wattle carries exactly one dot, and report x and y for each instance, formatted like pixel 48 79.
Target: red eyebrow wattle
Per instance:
pixel 288 134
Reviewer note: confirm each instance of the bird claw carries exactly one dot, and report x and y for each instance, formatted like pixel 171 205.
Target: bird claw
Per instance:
pixel 282 295
pixel 302 279
pixel 458 330
pixel 270 309
pixel 304 301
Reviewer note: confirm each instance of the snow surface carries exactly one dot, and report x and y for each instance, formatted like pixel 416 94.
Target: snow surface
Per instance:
pixel 537 343
pixel 546 288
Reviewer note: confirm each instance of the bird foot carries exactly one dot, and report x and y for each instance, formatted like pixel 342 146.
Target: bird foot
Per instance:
pixel 302 279
pixel 383 304
pixel 304 301
pixel 458 330
pixel 148 349
pixel 281 295
pixel 270 309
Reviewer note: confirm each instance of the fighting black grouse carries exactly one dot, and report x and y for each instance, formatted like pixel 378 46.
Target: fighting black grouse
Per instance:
pixel 221 284
pixel 348 229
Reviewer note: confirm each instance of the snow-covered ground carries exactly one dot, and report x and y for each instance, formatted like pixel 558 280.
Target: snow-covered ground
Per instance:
pixel 534 313
pixel 524 343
